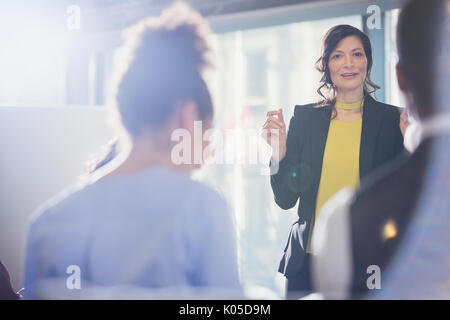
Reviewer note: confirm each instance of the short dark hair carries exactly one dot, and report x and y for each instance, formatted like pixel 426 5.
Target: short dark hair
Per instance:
pixel 329 43
pixel 161 67
pixel 418 43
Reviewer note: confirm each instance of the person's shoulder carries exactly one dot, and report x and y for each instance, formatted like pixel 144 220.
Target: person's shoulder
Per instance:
pixel 190 186
pixel 380 185
pixel 305 107
pixel 58 207
pixel 305 111
pixel 195 193
pixel 208 197
pixel 332 247
pixel 389 109
pixel 337 207
pixel 204 208
pixel 207 204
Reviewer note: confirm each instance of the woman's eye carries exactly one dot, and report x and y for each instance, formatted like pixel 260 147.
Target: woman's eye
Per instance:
pixel 336 56
pixel 358 54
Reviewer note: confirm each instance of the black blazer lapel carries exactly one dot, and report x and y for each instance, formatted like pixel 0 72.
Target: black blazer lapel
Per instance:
pixel 319 134
pixel 372 117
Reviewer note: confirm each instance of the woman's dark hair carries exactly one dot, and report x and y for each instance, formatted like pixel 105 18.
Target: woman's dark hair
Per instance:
pixel 329 44
pixel 161 67
pixel 419 42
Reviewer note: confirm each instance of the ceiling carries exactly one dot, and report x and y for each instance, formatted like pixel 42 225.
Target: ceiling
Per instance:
pixel 100 17
pixel 117 14
pixel 206 7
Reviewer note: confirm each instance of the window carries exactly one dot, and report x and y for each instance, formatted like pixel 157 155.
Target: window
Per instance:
pixel 393 94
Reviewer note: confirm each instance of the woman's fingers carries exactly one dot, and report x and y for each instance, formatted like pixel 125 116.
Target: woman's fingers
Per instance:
pixel 280 116
pixel 274 128
pixel 274 123
pixel 274 132
pixel 403 116
pixel 278 122
pixel 273 113
pixel 277 117
pixel 276 114
pixel 403 122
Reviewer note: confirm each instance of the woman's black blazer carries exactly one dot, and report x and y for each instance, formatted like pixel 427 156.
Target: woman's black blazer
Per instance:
pixel 298 175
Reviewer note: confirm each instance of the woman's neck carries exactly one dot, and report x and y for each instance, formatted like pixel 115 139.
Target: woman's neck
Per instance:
pixel 350 96
pixel 144 153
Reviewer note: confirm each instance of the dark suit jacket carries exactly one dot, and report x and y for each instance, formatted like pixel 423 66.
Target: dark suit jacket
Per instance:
pixel 299 171
pixel 392 195
pixel 6 290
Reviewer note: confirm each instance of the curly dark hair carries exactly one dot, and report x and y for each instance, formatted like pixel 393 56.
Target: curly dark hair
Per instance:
pixel 161 66
pixel 331 39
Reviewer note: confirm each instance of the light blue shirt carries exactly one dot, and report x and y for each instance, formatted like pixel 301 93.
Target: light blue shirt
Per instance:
pixel 153 229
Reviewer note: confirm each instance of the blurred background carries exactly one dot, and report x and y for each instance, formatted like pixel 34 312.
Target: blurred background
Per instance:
pixel 56 61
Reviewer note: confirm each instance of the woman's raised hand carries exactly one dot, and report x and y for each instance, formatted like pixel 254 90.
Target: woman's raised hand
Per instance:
pixel 403 122
pixel 274 133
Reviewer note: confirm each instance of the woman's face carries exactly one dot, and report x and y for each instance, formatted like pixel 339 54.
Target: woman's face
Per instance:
pixel 348 64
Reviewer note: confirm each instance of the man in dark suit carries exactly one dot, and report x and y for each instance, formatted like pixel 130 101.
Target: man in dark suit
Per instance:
pixel 359 233
pixel 6 290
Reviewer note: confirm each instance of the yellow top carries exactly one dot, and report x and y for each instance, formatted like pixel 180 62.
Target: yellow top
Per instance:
pixel 340 167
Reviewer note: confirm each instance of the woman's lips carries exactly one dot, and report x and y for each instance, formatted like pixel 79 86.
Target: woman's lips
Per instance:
pixel 349 75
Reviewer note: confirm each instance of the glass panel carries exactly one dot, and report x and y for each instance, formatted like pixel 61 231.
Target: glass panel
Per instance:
pixel 32 58
pixel 393 94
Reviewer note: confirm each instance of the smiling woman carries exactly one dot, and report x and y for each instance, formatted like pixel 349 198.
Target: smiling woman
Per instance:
pixel 345 63
pixel 330 145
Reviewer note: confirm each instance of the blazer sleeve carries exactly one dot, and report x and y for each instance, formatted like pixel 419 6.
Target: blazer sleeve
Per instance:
pixel 285 196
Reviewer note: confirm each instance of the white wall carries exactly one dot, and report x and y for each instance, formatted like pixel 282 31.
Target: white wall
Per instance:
pixel 42 150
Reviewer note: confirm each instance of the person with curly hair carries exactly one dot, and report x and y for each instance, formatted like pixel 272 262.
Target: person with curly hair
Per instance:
pixel 143 222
